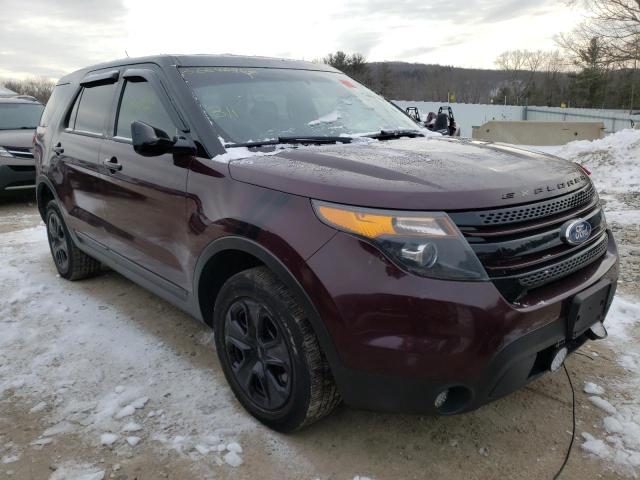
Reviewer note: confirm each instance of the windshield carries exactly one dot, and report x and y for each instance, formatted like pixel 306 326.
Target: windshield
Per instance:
pixel 16 116
pixel 253 104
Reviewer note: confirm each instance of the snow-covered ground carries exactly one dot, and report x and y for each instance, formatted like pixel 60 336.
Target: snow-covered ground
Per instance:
pixel 615 165
pixel 79 370
pixel 617 439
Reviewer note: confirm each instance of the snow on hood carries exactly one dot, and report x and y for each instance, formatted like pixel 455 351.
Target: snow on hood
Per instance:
pixel 412 173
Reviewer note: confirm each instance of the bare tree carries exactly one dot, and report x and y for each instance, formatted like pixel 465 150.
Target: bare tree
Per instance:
pixel 38 87
pixel 533 61
pixel 616 25
pixel 512 62
pixel 522 67
pixel 554 67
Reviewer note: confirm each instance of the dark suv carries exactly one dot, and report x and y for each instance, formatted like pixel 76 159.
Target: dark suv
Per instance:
pixel 338 249
pixel 19 117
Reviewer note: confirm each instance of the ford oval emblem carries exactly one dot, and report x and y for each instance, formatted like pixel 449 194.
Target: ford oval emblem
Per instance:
pixel 575 232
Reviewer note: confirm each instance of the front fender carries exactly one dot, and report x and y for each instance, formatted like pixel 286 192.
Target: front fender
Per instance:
pixel 235 243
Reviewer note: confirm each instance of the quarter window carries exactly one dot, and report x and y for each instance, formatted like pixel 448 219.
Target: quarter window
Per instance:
pixel 94 108
pixel 54 103
pixel 140 102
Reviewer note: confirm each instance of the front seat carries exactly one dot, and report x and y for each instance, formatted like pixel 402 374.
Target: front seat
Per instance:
pixel 442 122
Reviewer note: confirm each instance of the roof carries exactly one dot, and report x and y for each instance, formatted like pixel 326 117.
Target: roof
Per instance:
pixel 20 99
pixel 5 92
pixel 207 60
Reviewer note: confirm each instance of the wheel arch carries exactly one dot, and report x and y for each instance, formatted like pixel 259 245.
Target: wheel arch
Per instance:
pixel 44 194
pixel 225 250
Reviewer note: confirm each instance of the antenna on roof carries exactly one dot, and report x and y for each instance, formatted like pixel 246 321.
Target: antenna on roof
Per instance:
pixel 127 54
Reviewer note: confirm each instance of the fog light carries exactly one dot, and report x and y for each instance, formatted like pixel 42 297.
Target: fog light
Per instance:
pixel 597 331
pixel 558 359
pixel 441 399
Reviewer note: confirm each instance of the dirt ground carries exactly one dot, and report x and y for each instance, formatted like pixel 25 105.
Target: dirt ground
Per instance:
pixel 525 435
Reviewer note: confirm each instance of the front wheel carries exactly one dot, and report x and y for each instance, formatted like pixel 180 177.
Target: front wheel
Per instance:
pixel 70 261
pixel 269 353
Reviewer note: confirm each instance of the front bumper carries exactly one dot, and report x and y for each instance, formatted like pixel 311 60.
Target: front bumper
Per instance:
pixel 16 174
pixel 402 339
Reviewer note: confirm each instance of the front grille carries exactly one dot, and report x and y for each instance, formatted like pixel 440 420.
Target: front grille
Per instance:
pixel 20 152
pixel 531 211
pixel 521 248
pixel 565 267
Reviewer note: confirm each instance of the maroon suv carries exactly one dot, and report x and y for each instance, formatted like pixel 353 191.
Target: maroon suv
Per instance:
pixel 339 250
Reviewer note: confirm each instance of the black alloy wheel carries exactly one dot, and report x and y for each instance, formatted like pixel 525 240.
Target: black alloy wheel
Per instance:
pixel 269 353
pixel 258 353
pixel 70 261
pixel 58 242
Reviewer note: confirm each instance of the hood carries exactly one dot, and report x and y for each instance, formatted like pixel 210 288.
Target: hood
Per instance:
pixel 414 174
pixel 16 138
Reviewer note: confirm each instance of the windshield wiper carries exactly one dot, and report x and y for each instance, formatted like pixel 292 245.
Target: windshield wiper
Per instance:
pixel 314 139
pixel 391 134
pixel 304 140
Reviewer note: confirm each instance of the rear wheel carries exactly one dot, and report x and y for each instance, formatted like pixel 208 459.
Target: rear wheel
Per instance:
pixel 269 353
pixel 70 261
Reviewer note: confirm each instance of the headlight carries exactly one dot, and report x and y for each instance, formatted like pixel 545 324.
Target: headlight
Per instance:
pixel 427 244
pixel 4 152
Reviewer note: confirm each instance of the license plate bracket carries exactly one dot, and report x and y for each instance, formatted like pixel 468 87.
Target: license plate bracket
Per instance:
pixel 587 308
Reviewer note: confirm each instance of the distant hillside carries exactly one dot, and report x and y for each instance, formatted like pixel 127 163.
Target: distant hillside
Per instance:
pixel 417 81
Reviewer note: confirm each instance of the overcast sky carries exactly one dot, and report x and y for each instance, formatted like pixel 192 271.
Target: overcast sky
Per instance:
pixel 55 37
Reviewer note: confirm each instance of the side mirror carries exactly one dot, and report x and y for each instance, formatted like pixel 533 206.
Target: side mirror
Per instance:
pixel 149 141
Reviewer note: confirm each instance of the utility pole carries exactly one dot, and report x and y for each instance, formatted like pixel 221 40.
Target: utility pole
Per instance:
pixel 633 84
pixel 633 79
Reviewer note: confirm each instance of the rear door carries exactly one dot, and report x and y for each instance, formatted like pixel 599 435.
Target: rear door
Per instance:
pixel 145 196
pixel 75 155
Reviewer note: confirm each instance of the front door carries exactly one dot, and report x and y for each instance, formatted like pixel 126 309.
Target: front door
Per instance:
pixel 145 196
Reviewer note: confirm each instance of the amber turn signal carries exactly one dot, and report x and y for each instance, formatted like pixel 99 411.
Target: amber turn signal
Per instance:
pixel 367 225
pixel 371 224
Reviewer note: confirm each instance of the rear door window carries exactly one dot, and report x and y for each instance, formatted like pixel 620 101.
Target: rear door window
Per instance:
pixel 93 108
pixel 140 102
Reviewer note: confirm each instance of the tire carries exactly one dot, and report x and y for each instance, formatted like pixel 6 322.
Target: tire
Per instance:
pixel 70 261
pixel 269 353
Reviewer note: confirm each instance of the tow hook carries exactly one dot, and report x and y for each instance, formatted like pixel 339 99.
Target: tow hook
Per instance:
pixel 597 331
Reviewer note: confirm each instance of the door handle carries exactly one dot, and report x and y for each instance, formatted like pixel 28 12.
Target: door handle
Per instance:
pixel 58 149
pixel 112 164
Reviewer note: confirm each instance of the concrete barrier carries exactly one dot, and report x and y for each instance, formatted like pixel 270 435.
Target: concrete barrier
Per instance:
pixel 537 133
